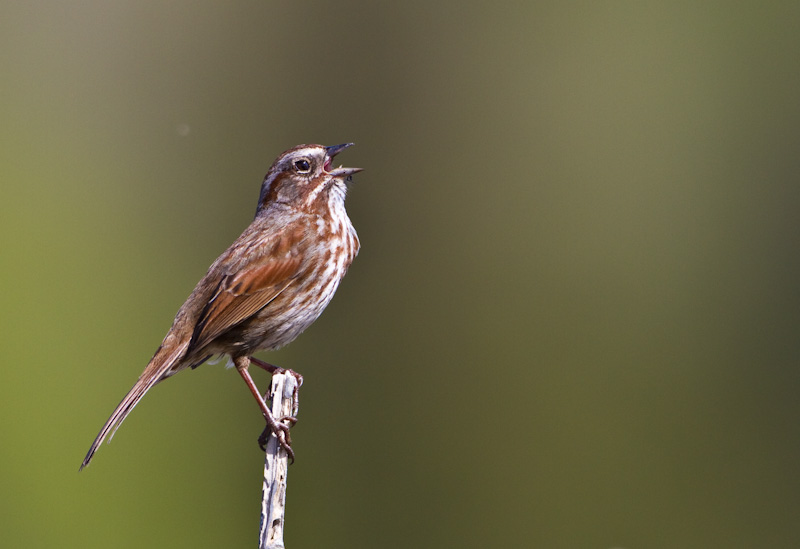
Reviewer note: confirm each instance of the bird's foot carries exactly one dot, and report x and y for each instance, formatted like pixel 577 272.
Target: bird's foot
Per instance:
pixel 280 429
pixel 272 369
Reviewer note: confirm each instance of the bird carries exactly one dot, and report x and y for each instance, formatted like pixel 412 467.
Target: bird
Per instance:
pixel 270 285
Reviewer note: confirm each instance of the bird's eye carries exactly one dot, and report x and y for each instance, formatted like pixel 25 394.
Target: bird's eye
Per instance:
pixel 302 166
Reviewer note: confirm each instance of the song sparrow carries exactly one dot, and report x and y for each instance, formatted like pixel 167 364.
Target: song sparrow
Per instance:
pixel 269 286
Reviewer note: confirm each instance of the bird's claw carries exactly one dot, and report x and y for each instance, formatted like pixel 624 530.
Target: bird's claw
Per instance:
pixel 281 430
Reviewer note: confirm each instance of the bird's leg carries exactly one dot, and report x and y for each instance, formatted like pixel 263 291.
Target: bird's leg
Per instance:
pixel 272 369
pixel 279 429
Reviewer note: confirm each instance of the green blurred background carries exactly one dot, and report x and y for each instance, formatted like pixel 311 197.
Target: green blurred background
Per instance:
pixel 573 322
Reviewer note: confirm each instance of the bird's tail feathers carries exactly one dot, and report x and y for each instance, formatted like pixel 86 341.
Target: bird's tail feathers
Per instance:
pixel 161 366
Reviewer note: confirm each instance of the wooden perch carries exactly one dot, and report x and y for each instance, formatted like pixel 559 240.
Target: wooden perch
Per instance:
pixel 276 465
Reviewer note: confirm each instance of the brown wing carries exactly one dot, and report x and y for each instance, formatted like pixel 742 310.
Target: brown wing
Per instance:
pixel 242 294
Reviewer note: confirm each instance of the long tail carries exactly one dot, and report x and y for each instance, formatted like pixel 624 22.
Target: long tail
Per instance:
pixel 160 367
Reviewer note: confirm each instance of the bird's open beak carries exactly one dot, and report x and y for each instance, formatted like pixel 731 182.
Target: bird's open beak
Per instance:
pixel 332 151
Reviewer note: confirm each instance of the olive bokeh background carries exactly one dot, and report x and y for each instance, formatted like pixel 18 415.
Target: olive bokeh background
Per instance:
pixel 573 323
